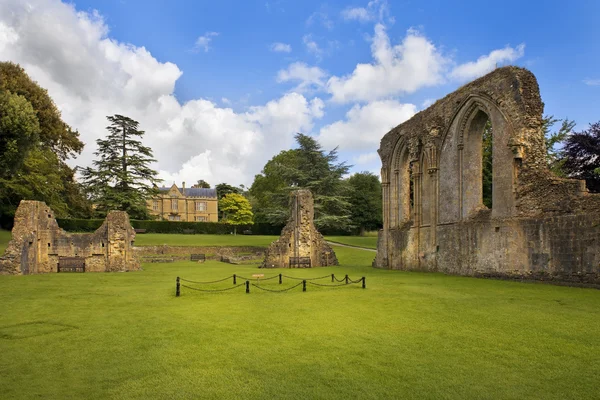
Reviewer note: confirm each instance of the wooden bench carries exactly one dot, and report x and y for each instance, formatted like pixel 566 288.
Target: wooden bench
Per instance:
pixel 71 264
pixel 198 257
pixel 300 262
pixel 140 230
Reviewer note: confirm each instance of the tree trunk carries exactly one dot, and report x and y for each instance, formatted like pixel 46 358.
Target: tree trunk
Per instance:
pixel 362 231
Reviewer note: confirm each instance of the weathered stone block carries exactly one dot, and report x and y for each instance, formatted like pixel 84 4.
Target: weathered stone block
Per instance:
pixel 299 238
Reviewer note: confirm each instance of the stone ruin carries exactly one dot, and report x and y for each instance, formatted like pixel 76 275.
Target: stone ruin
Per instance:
pixel 540 226
pixel 38 245
pixel 300 244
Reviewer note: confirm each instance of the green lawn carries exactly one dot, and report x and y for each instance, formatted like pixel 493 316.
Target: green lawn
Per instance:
pixel 408 335
pixel 360 241
pixel 154 239
pixel 4 239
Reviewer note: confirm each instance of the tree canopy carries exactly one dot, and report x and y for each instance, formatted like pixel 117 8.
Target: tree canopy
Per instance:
pixel 236 210
pixel 581 156
pixel 122 178
pixel 365 198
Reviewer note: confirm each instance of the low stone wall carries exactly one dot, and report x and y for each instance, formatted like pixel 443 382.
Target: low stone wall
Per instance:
pixel 183 252
pixel 560 249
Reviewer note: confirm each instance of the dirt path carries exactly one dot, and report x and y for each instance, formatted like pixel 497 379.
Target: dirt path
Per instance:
pixel 350 246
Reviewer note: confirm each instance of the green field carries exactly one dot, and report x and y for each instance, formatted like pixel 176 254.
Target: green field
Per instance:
pixel 407 335
pixel 4 239
pixel 359 241
pixel 155 239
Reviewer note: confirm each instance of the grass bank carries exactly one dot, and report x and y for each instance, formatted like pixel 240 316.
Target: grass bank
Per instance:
pixel 408 335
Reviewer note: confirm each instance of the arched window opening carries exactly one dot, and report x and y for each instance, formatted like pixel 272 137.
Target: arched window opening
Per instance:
pixel 486 164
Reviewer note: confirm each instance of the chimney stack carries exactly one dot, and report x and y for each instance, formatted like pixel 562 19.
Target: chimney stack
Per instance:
pixel 183 188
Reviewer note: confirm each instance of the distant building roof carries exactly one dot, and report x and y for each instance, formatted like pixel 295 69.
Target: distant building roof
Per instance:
pixel 194 192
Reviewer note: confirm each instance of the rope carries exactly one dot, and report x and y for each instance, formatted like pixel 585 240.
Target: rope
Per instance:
pixel 266 279
pixel 356 281
pixel 214 290
pixel 276 291
pixel 306 279
pixel 321 284
pixel 339 280
pixel 204 283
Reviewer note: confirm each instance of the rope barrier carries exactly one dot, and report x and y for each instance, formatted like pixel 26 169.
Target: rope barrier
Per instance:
pixel 206 283
pixel 214 290
pixel 306 279
pixel 277 291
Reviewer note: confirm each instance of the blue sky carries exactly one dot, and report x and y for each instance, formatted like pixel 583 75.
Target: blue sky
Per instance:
pixel 218 101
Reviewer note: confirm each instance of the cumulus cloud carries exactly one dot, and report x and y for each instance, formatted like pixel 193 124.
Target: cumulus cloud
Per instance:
pixel 312 46
pixel 366 158
pixel 487 63
pixel 375 10
pixel 89 76
pixel 395 70
pixel 281 47
pixel 203 42
pixel 364 126
pixel 309 78
pixel 320 17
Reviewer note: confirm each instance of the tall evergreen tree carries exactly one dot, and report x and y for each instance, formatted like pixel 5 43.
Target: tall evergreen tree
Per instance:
pixel 121 178
pixel 581 156
pixel 306 167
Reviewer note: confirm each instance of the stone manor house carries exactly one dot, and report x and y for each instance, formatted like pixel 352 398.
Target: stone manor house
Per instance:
pixel 190 205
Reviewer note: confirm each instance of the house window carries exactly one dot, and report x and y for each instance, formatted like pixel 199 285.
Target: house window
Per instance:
pixel 174 204
pixel 155 205
pixel 200 219
pixel 200 206
pixel 174 218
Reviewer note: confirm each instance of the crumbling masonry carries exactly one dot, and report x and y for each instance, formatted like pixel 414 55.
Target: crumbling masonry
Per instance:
pixel 38 245
pixel 300 244
pixel 539 226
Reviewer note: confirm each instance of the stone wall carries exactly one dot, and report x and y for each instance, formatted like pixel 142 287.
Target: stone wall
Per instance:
pixel 540 226
pixel 300 238
pixel 38 244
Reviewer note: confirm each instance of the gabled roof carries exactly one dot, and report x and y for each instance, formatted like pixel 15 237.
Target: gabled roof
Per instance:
pixel 193 192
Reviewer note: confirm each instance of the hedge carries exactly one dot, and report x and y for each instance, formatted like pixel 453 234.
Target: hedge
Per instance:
pixel 217 228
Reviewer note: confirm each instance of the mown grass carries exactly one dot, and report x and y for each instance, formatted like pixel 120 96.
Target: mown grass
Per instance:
pixel 408 335
pixel 156 239
pixel 360 241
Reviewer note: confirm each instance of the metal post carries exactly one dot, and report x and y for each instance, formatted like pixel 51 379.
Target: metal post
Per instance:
pixel 364 282
pixel 280 279
pixel 247 286
pixel 304 285
pixel 332 277
pixel 346 279
pixel 177 290
pixel 234 281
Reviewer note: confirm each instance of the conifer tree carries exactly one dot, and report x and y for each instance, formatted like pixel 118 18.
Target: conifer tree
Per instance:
pixel 121 178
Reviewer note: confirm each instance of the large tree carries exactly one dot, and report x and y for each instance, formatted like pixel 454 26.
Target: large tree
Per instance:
pixel 365 198
pixel 581 156
pixel 201 184
pixel 306 167
pixel 236 210
pixel 34 145
pixel 121 178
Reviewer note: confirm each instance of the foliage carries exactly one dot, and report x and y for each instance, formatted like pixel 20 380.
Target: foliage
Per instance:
pixel 236 210
pixel 34 145
pixel 223 189
pixel 581 156
pixel 408 335
pixel 201 184
pixel 553 155
pixel 486 162
pixel 172 227
pixel 54 133
pixel 365 199
pixel 19 131
pixel 307 167
pixel 121 178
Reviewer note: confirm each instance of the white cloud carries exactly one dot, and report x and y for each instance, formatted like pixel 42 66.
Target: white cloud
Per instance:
pixel 592 82
pixel 312 46
pixel 320 17
pixel 203 42
pixel 281 47
pixel 487 63
pixel 426 103
pixel 366 158
pixel 89 76
pixel 310 78
pixel 364 126
pixel 375 10
pixel 225 100
pixel 399 69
